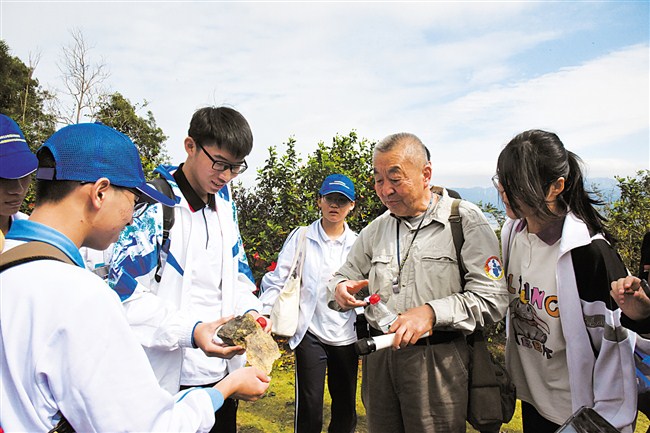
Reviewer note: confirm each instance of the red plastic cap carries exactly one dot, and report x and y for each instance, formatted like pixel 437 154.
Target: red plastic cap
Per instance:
pixel 262 321
pixel 374 299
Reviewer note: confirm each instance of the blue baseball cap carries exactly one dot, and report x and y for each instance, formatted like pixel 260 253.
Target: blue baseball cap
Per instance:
pixel 16 159
pixel 86 152
pixel 338 183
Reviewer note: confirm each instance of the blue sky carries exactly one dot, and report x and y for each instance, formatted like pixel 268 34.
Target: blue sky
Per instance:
pixel 463 76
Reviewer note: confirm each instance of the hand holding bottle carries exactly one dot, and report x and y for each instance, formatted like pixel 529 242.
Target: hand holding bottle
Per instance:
pixel 378 315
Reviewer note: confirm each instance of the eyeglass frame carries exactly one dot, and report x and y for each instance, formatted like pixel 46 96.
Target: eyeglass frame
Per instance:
pixel 140 205
pixel 226 165
pixel 342 200
pixel 496 183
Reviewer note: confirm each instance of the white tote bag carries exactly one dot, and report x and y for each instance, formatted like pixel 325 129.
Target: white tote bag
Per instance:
pixel 284 315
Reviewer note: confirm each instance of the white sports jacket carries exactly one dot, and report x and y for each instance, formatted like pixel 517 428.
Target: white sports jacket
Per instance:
pixel 341 323
pixel 161 313
pixel 66 347
pixel 599 350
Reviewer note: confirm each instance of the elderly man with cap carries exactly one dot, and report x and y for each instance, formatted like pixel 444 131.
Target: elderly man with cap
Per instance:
pixel 17 163
pixel 324 338
pixel 68 352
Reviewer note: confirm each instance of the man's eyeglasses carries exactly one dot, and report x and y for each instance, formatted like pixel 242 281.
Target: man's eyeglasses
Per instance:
pixel 140 205
pixel 222 165
pixel 337 199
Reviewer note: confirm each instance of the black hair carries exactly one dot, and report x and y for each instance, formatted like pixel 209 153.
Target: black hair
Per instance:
pixel 528 166
pixel 222 127
pixel 52 191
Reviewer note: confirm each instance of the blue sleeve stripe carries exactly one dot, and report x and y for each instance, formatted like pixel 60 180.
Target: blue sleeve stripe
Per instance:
pixel 171 260
pixel 215 396
pixel 242 266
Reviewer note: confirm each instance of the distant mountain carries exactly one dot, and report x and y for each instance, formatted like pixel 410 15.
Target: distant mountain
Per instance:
pixel 482 194
pixel 606 187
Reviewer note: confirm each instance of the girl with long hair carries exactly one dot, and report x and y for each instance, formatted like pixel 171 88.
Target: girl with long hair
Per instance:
pixel 566 347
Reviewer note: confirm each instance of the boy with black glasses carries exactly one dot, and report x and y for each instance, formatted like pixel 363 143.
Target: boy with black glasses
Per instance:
pixel 176 287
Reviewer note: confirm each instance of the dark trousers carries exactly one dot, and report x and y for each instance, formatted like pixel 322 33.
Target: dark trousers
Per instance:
pixel 644 403
pixel 533 422
pixel 225 419
pixel 313 359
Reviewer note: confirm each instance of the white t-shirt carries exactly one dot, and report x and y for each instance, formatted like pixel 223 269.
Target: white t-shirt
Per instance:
pixel 536 355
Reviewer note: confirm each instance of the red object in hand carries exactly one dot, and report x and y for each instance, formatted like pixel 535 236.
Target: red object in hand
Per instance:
pixel 262 321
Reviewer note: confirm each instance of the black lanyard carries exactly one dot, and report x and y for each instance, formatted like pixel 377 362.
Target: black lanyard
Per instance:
pixel 397 281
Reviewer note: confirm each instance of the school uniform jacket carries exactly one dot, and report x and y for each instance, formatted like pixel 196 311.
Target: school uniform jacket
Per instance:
pixel 599 350
pixel 310 284
pixel 160 313
pixel 66 347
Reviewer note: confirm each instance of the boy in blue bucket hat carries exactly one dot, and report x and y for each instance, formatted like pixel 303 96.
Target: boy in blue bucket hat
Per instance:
pixel 69 354
pixel 17 163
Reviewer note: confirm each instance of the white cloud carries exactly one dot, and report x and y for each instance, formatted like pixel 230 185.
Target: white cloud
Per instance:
pixel 603 102
pixel 454 73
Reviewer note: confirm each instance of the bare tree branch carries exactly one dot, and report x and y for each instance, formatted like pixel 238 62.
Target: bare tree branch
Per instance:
pixel 82 79
pixel 34 59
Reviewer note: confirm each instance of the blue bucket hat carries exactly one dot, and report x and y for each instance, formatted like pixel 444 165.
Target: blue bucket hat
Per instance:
pixel 86 152
pixel 338 183
pixel 16 159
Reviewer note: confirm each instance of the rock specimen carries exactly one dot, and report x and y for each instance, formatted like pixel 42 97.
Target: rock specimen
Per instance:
pixel 235 331
pixel 261 349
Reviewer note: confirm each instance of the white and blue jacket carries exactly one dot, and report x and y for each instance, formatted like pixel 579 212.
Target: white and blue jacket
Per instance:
pixel 599 350
pixel 161 313
pixel 67 349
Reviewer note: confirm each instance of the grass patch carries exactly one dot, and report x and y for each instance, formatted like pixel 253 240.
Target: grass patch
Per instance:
pixel 274 412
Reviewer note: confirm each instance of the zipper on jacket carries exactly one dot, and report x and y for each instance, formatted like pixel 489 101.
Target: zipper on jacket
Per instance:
pixel 207 232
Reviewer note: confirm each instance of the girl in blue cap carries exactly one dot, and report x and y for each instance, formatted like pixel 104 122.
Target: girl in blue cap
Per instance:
pixel 17 163
pixel 324 339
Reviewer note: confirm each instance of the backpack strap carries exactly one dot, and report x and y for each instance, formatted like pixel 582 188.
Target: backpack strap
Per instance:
pixel 168 212
pixel 168 220
pixel 32 251
pixel 455 222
